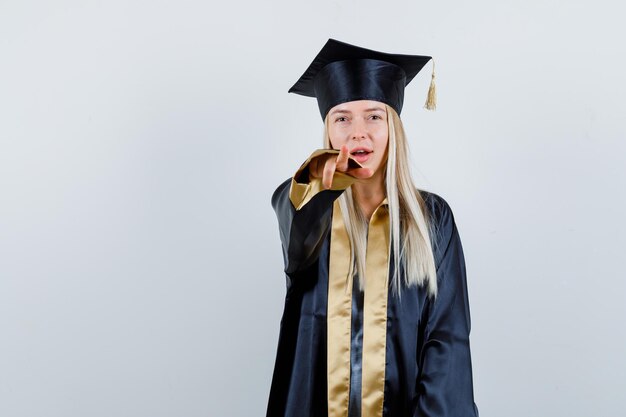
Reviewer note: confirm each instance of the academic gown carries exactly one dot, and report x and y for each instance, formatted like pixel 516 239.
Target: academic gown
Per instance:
pixel 427 362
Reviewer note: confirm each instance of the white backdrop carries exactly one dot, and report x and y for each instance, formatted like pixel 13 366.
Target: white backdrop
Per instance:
pixel 140 142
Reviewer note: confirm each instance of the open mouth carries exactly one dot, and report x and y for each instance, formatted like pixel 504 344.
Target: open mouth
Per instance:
pixel 361 155
pixel 360 152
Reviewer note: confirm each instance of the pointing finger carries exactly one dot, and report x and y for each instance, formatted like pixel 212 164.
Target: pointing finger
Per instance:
pixel 342 159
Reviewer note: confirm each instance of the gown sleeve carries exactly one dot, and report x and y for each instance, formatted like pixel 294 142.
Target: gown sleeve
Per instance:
pixel 444 385
pixel 304 210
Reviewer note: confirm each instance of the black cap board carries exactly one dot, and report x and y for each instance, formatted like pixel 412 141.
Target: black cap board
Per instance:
pixel 342 72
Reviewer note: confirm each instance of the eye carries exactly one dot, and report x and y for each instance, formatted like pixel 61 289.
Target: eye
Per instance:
pixel 376 117
pixel 341 119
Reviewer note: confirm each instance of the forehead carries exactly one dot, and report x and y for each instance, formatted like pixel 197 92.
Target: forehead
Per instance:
pixel 358 106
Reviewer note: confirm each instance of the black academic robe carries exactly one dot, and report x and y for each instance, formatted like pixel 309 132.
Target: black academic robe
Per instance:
pixel 428 369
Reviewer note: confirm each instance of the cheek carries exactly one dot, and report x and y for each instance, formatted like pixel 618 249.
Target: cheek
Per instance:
pixel 382 139
pixel 336 140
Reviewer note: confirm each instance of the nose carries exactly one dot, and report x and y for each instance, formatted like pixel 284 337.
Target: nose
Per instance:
pixel 359 130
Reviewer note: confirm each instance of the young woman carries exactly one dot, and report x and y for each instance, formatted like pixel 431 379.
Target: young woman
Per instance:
pixel 376 319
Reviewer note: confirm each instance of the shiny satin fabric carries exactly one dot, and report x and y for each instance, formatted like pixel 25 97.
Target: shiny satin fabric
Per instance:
pixel 375 313
pixel 339 323
pixel 427 356
pixel 374 316
pixel 342 72
pixel 360 79
pixel 356 351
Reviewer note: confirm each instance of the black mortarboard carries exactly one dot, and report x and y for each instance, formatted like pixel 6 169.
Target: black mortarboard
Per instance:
pixel 342 72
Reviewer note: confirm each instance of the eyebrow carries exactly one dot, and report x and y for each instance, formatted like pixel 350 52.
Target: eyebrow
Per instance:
pixel 366 110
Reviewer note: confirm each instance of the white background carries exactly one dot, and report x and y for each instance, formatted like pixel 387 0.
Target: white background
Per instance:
pixel 140 142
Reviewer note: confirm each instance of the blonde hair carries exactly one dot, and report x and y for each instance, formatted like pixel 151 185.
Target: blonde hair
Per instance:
pixel 410 227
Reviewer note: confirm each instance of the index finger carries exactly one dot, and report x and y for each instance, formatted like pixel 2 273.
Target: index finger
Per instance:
pixel 342 159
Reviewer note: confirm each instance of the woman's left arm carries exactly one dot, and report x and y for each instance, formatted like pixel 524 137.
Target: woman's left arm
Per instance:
pixel 445 387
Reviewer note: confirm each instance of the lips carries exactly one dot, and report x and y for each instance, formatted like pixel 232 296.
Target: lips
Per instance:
pixel 360 154
pixel 360 151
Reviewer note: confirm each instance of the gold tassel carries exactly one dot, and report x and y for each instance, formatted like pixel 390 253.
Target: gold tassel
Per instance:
pixel 431 101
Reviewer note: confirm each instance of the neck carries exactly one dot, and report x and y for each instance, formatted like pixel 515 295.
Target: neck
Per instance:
pixel 369 193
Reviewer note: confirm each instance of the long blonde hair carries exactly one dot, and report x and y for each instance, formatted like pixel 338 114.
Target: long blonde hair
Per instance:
pixel 410 226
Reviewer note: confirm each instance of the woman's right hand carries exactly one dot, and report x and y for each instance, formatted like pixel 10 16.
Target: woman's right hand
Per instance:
pixel 324 167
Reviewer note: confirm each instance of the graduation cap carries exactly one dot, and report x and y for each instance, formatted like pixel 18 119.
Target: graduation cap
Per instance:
pixel 342 72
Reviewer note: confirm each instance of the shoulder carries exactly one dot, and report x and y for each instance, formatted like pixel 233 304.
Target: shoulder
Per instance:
pixel 438 208
pixel 281 192
pixel 441 219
